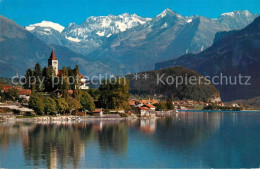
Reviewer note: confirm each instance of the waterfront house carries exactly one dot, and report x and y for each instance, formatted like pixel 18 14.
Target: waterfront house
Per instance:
pixel 151 107
pixel 98 112
pixel 22 93
pixel 143 111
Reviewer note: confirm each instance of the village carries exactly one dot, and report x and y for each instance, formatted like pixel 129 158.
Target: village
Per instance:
pixel 80 100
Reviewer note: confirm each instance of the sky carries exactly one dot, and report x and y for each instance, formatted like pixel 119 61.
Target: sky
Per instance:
pixel 25 12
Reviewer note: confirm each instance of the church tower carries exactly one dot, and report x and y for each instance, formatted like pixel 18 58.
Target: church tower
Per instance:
pixel 53 61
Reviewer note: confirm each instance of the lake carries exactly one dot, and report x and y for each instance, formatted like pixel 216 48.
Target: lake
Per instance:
pixel 191 139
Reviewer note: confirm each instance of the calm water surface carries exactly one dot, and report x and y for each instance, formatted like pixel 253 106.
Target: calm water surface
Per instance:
pixel 192 139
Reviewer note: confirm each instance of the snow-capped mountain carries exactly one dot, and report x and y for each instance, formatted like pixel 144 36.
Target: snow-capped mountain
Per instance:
pixel 167 35
pixel 88 35
pixel 132 40
pixel 47 25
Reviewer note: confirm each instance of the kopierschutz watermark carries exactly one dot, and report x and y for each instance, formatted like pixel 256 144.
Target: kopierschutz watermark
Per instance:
pixel 159 79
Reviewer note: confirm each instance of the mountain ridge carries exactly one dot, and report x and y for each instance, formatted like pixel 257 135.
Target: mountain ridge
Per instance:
pixel 232 54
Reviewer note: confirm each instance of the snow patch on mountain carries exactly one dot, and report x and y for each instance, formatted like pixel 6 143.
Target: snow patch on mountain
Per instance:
pixel 189 20
pixel 100 33
pixel 228 14
pixel 46 24
pixel 73 39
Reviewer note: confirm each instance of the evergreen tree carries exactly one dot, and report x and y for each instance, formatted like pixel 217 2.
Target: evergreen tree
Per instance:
pixel 28 75
pixel 48 74
pixel 36 104
pixel 76 82
pixel 65 83
pixel 37 73
pixel 87 102
pixel 49 105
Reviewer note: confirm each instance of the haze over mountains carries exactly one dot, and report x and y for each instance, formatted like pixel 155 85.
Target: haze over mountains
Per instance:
pixel 134 43
pixel 233 53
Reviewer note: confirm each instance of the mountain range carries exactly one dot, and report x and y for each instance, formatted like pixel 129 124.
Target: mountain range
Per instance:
pixel 21 50
pixel 129 43
pixel 233 53
pixel 134 43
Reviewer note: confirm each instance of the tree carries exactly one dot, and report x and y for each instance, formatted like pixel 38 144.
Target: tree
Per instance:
pixel 87 102
pixel 48 74
pixel 169 104
pixel 12 94
pixel 94 93
pixel 37 73
pixel 114 94
pixel 65 83
pixel 28 76
pixel 49 105
pixel 61 105
pixel 160 106
pixel 73 104
pixel 36 104
pixel 77 82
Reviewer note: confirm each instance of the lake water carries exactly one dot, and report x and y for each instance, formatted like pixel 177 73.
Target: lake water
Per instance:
pixel 192 139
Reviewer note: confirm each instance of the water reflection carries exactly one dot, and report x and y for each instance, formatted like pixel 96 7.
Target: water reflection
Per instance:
pixel 187 129
pixel 187 140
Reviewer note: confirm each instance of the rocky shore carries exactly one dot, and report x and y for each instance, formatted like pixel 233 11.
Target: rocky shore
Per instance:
pixel 64 118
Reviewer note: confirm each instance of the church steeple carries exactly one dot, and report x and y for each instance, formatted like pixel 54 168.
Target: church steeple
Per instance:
pixel 53 56
pixel 53 61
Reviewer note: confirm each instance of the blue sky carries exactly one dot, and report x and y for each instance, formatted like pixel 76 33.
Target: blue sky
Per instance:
pixel 26 12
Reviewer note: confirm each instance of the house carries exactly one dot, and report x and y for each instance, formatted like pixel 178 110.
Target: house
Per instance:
pixel 53 61
pixel 151 107
pixel 22 93
pixel 143 111
pixel 138 103
pixel 149 101
pixel 98 112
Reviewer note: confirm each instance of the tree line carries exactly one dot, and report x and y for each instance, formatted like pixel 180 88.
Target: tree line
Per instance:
pixel 45 100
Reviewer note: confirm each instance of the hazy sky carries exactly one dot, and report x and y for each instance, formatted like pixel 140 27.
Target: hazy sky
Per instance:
pixel 26 12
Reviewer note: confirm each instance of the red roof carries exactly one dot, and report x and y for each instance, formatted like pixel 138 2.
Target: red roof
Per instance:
pixel 20 90
pixel 149 105
pixel 6 88
pixel 97 111
pixel 53 57
pixel 27 92
pixel 144 108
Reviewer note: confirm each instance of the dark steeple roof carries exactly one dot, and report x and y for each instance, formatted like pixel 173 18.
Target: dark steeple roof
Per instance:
pixel 53 57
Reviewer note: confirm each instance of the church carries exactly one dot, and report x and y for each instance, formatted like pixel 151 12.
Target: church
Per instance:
pixel 53 61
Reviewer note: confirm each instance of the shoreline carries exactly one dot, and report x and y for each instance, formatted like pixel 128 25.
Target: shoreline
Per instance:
pixel 73 119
